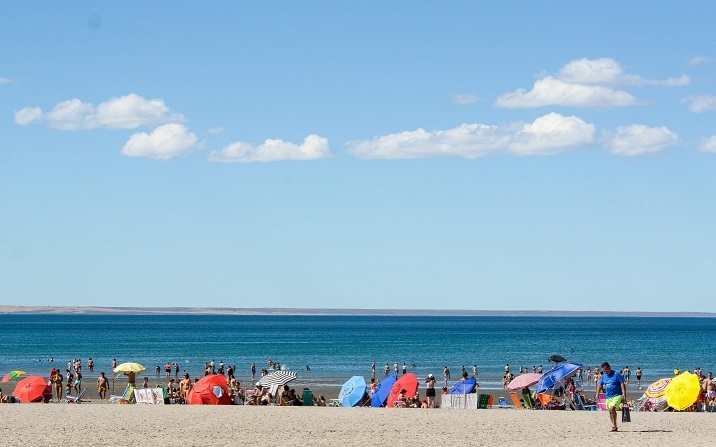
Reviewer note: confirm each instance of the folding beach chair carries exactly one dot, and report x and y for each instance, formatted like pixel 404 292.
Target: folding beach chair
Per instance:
pixel 502 403
pixel 484 401
pixel 516 401
pixel 76 399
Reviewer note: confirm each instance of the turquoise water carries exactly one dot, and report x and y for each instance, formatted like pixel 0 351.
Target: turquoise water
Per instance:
pixel 337 347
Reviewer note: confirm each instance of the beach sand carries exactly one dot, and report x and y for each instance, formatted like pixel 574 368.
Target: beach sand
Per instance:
pixel 112 425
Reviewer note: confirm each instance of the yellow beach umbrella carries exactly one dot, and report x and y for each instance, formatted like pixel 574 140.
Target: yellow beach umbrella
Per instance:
pixel 682 391
pixel 129 367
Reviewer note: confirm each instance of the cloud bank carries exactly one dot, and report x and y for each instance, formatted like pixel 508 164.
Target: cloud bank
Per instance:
pixel 548 134
pixel 313 147
pixel 123 112
pixel 590 83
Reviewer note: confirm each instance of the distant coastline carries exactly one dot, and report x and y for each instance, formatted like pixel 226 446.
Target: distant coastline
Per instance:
pixel 90 310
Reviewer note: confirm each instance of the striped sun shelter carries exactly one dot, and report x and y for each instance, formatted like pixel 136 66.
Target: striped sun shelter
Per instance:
pixel 276 379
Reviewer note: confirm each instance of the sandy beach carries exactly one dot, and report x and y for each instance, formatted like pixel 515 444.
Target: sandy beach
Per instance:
pixel 110 425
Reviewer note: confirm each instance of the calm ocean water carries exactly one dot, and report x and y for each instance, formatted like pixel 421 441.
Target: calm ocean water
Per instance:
pixel 337 347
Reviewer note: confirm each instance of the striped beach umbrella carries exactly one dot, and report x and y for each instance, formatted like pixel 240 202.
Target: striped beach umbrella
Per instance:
pixel 12 375
pixel 276 379
pixel 656 390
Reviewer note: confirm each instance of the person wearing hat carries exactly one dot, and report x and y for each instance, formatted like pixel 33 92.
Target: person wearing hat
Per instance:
pixel 430 390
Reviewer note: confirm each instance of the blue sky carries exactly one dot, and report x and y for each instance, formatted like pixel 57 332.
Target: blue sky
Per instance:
pixel 432 155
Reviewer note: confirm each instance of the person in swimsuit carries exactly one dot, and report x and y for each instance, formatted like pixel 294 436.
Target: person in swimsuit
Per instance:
pixel 430 391
pixel 102 385
pixel 638 377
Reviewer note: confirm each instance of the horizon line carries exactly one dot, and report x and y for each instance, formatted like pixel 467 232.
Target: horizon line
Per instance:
pixel 104 310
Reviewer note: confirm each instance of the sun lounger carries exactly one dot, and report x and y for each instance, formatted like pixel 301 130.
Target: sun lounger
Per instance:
pixel 76 399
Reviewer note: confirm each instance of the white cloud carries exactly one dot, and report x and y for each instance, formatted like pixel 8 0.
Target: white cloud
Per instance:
pixel 464 141
pixel 314 147
pixel 551 91
pixel 163 143
pixel 131 111
pixel 594 83
pixel 551 134
pixel 216 130
pixel 465 99
pixel 71 115
pixel 698 60
pixel 124 112
pixel 607 71
pixel 702 103
pixel 548 134
pixel 709 145
pixel 4 80
pixel 27 115
pixel 639 140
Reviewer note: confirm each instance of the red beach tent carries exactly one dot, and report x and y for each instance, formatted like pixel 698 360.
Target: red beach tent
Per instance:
pixel 211 390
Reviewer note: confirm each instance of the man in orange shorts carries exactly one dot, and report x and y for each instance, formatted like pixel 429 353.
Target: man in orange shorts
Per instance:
pixel 613 386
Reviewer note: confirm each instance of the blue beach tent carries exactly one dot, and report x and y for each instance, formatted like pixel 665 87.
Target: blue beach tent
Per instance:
pixel 383 391
pixel 466 386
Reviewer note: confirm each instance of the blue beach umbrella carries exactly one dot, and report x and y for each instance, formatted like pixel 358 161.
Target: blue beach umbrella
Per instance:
pixel 383 391
pixel 550 378
pixel 352 391
pixel 466 386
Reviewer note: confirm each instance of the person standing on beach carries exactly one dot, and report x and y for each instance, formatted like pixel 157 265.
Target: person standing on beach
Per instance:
pixel 176 370
pixel 102 385
pixel 430 390
pixel 372 369
pixel 114 364
pixel 90 365
pixel 627 374
pixel 387 370
pixel 474 371
pixel 57 380
pixel 612 383
pixel 253 371
pixel 168 369
pixel 405 369
pixel 638 377
pixel 395 368
pixel 184 387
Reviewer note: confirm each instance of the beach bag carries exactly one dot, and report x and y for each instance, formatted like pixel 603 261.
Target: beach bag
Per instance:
pixel 626 416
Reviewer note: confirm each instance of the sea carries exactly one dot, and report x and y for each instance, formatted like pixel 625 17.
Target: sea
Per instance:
pixel 325 351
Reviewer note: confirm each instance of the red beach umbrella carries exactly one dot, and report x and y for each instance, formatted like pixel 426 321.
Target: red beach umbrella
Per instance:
pixel 211 390
pixel 407 382
pixel 30 389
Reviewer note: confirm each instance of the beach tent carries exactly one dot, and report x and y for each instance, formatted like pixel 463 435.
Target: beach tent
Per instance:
pixel 466 386
pixel 352 391
pixel 210 390
pixel 552 377
pixel 31 389
pixel 383 391
pixel 407 382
